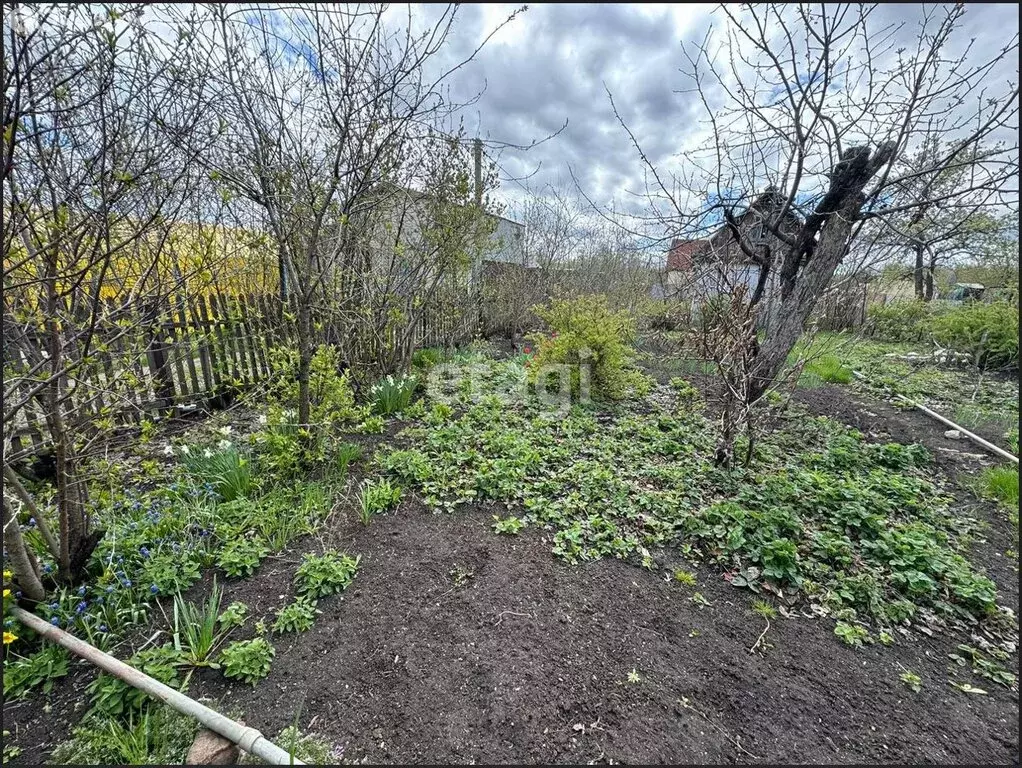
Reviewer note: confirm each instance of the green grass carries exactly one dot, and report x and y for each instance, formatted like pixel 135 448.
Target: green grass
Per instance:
pixel 1002 484
pixel 829 369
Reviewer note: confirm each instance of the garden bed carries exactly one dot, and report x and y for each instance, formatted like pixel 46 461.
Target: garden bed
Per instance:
pixel 456 644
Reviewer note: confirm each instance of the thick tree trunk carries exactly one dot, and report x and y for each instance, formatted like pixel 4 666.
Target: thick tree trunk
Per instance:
pixel 931 268
pixel 794 310
pixel 918 272
pixel 25 575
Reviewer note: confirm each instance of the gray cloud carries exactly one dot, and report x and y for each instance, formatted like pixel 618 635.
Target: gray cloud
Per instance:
pixel 555 61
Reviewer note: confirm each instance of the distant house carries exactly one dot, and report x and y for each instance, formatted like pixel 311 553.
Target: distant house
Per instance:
pixel 507 242
pixel 700 269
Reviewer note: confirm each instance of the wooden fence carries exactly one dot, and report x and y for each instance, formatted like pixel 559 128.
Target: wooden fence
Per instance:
pixel 185 353
pixel 191 352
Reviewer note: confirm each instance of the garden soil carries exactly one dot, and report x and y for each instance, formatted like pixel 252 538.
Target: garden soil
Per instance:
pixel 457 645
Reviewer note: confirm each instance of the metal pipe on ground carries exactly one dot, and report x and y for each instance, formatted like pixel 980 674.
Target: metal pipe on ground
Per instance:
pixel 933 414
pixel 248 739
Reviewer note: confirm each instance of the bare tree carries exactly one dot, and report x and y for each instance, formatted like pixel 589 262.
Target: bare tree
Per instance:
pixel 824 104
pixel 942 214
pixel 89 191
pixel 329 113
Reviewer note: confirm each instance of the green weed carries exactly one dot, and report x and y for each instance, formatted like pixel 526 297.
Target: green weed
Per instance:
pixel 322 575
pixel 247 660
pixel 297 616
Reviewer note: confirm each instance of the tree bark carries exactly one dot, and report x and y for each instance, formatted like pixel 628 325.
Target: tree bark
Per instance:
pixel 839 211
pixel 304 359
pixel 931 268
pixel 917 273
pixel 25 575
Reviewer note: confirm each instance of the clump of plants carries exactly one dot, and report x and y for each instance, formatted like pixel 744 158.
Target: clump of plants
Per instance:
pixel 23 674
pixel 116 698
pixel 322 575
pixel 297 616
pixel 988 332
pixel 587 335
pixel 287 445
pixel 899 320
pixel 247 660
pixel 346 455
pixel 829 369
pixel 196 630
pixel 234 615
pixel 510 525
pixel 393 394
pixel 376 497
pixel 221 468
pixel 241 556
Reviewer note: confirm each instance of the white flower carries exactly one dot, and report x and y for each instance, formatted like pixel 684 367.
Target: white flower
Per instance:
pixel 262 418
pixel 184 450
pixel 207 454
pixel 223 445
pixel 225 430
pixel 168 450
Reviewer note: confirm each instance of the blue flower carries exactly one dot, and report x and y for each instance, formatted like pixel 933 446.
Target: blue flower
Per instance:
pixel 17 595
pixel 99 601
pixel 127 582
pixel 54 606
pixel 55 621
pixel 109 589
pixel 81 591
pixel 144 551
pixel 80 608
pixel 31 522
pixel 47 567
pixel 102 627
pixel 154 589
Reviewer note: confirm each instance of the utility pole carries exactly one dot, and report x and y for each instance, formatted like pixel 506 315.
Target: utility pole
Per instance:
pixel 477 151
pixel 476 275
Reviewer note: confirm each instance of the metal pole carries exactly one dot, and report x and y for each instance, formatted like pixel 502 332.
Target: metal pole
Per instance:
pixel 249 739
pixel 932 413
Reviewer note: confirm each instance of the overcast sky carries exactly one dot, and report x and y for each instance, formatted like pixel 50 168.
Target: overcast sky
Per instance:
pixel 551 63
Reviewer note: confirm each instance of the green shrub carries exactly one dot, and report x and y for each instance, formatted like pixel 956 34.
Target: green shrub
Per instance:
pixel 586 331
pixel 898 320
pixel 248 660
pixel 688 395
pixel 393 394
pixel 427 357
pixel 321 575
pixel 988 332
pixel 664 314
pixel 331 399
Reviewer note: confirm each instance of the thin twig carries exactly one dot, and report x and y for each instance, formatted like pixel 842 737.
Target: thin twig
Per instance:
pixel 502 614
pixel 760 638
